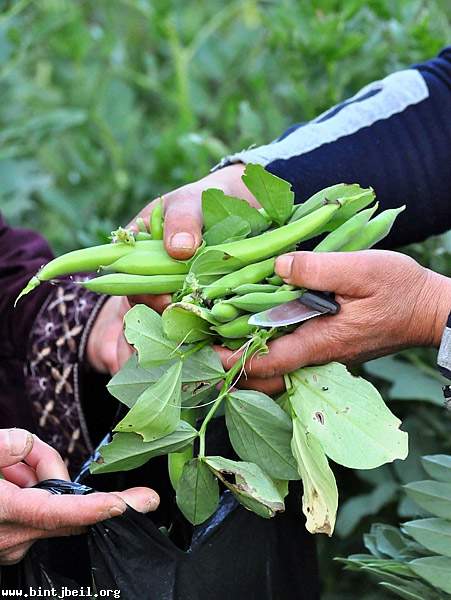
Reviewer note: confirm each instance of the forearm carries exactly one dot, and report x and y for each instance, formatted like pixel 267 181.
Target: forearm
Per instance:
pixel 393 135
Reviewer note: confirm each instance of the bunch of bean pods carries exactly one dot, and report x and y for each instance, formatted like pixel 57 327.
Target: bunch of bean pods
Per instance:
pixel 238 278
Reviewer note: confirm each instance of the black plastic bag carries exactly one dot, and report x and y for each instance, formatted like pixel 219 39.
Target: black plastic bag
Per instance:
pixel 234 555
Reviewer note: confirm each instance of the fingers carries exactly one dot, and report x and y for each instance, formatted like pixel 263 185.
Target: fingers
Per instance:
pixel 182 225
pixel 158 303
pixel 21 475
pixel 14 554
pixel 271 386
pixel 140 498
pixel 15 444
pixel 341 272
pixel 39 509
pixel 46 462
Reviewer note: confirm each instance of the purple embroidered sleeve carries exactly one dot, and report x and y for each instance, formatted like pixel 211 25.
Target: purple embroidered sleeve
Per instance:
pixel 42 348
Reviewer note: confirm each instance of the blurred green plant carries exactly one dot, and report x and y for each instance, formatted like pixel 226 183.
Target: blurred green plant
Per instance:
pixel 105 105
pixel 414 561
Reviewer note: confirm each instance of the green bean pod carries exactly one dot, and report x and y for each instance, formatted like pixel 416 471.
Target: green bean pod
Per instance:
pixel 275 241
pixel 374 231
pixel 224 312
pixel 238 328
pixel 156 221
pixel 275 280
pixel 142 235
pixel 259 301
pixel 249 288
pixel 339 191
pixel 225 285
pixel 346 232
pixel 122 284
pixel 150 262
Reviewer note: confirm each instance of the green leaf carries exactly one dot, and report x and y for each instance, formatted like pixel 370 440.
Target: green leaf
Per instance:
pixel 211 264
pixel 274 194
pixel 320 497
pixel 389 540
pixel 229 229
pixel 434 534
pixel 203 365
pixel 438 466
pixel 216 207
pixel 185 323
pixel 197 492
pixel 348 416
pixel 260 432
pixel 131 381
pixel 406 590
pixel 436 570
pixel 408 382
pixel 199 368
pixel 128 450
pixel 157 411
pixel 250 485
pixel 433 496
pixel 144 330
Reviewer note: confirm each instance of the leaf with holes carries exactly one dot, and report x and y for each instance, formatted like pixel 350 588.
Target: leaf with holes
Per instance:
pixel 320 496
pixel 249 484
pixel 348 416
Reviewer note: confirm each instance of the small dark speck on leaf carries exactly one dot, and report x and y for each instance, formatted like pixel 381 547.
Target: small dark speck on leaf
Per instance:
pixel 325 388
pixel 319 417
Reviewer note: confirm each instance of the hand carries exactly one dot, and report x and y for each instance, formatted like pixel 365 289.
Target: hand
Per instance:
pixel 107 349
pixel 388 302
pixel 183 218
pixel 27 515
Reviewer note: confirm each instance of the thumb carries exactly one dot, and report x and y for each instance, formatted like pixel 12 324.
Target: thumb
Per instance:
pixel 182 227
pixel 340 272
pixel 15 445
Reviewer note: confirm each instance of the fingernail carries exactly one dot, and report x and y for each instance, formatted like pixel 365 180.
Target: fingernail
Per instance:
pixel 182 241
pixel 19 440
pixel 283 266
pixel 116 511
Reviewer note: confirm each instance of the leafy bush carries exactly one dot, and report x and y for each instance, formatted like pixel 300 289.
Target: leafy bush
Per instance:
pixel 414 561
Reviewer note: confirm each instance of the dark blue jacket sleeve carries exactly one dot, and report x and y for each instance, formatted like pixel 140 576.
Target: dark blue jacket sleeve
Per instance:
pixel 393 135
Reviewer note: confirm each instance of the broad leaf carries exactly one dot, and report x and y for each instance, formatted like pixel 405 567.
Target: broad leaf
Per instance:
pixel 131 381
pixel 438 466
pixel 157 411
pixel 185 323
pixel 432 496
pixel 217 206
pixel 348 416
pixel 204 365
pixel 274 194
pixel 260 432
pixel 320 496
pixel 211 264
pixel 389 540
pixel 128 450
pixel 249 484
pixel 408 382
pixel 436 570
pixel 198 369
pixel 229 229
pixel 144 330
pixel 197 492
pixel 434 534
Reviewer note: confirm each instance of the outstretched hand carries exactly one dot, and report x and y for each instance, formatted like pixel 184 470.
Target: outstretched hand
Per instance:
pixel 27 515
pixel 388 302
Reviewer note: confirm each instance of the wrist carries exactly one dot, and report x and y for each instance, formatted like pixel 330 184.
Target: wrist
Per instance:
pixel 434 308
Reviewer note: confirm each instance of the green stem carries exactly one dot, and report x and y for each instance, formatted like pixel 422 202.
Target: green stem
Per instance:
pixel 194 349
pixel 256 344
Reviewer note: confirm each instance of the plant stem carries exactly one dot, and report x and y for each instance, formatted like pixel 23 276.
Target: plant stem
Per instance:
pixel 256 344
pixel 195 349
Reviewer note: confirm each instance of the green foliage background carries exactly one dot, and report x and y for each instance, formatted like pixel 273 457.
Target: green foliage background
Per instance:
pixel 105 104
